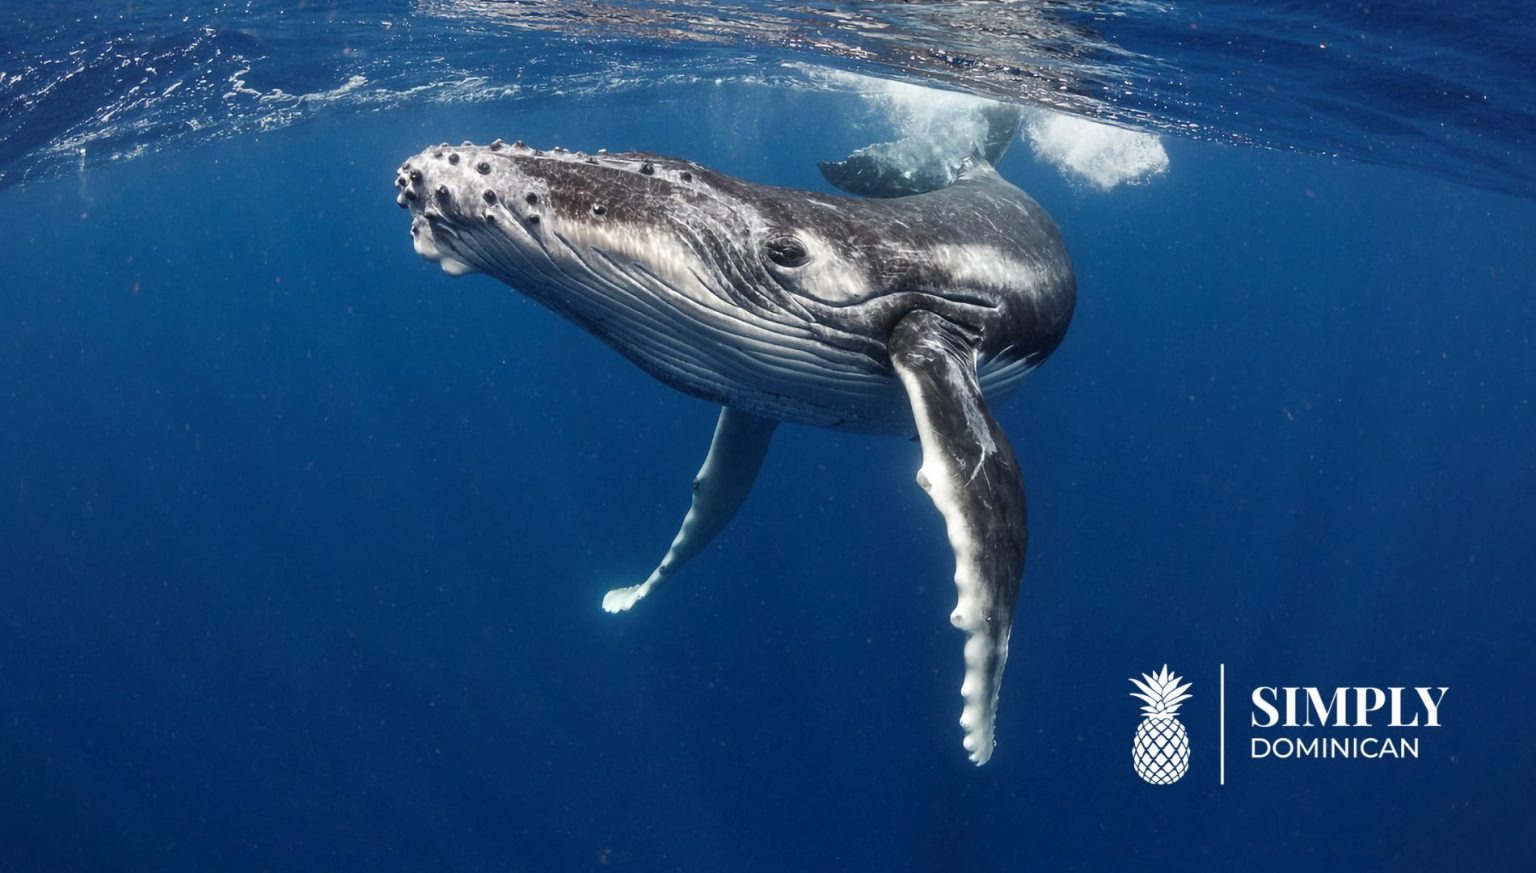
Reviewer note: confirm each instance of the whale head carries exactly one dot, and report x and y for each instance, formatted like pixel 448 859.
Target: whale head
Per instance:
pixel 665 260
pixel 564 226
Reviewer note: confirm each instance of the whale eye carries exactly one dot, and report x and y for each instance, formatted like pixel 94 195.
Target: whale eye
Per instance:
pixel 786 251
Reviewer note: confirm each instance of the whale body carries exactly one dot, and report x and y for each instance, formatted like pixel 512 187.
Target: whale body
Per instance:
pixel 897 315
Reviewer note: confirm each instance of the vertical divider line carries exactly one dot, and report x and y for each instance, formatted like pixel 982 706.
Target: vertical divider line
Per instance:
pixel 1223 694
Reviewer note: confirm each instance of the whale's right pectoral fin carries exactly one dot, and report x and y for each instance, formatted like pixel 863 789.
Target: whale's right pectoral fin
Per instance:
pixel 970 473
pixel 741 440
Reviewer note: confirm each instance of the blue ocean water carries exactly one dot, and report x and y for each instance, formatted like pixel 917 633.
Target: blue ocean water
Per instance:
pixel 302 542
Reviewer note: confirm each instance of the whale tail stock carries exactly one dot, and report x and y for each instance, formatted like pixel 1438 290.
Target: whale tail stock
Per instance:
pixel 917 165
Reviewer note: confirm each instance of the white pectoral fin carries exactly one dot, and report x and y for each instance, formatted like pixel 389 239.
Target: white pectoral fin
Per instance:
pixel 735 455
pixel 970 473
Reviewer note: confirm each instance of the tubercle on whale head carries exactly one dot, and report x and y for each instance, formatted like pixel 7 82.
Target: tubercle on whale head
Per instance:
pixel 523 191
pixel 482 161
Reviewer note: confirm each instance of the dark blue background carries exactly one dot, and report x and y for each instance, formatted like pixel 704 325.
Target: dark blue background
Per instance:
pixel 303 542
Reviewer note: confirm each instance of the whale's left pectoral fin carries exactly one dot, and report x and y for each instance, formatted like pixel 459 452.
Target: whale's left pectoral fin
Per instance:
pixel 735 455
pixel 970 473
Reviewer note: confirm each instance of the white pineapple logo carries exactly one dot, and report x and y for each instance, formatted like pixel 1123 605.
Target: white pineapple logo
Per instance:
pixel 1161 750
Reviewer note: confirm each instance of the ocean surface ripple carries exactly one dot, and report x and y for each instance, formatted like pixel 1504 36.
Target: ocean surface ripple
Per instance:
pixel 1444 89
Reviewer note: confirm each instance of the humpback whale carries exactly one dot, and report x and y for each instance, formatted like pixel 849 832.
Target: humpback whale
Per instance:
pixel 906 311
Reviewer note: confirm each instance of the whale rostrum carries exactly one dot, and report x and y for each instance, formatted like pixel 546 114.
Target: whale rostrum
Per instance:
pixel 902 313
